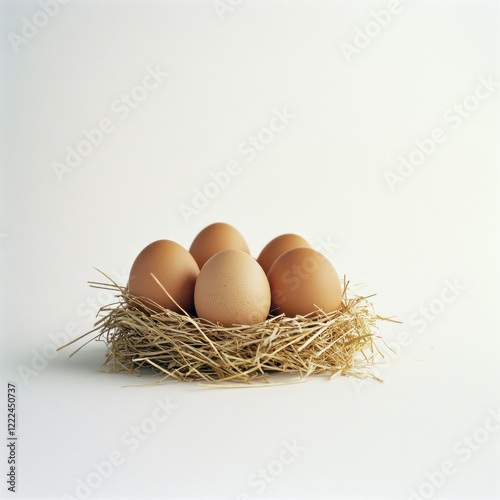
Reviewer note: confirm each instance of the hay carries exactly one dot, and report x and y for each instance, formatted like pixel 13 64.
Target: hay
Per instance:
pixel 183 347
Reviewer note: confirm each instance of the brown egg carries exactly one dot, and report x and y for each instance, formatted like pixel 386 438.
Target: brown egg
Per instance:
pixel 300 280
pixel 214 238
pixel 176 270
pixel 278 246
pixel 232 289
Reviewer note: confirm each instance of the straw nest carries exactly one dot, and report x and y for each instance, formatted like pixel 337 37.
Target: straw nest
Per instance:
pixel 184 347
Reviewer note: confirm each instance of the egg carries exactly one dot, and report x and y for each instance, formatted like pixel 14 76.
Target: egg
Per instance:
pixel 214 238
pixel 176 270
pixel 232 289
pixel 300 280
pixel 278 246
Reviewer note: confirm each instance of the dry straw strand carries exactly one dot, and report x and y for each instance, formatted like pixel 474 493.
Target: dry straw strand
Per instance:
pixel 182 347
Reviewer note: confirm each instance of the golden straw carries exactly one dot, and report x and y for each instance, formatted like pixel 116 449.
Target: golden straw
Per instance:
pixel 184 347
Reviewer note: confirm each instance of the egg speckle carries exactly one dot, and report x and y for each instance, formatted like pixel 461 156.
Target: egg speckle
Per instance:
pixel 301 280
pixel 232 289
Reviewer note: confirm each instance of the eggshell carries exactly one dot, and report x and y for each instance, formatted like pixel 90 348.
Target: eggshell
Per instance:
pixel 232 289
pixel 278 246
pixel 214 238
pixel 300 280
pixel 174 267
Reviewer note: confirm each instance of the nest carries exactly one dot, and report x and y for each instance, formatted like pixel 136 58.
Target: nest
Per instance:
pixel 183 347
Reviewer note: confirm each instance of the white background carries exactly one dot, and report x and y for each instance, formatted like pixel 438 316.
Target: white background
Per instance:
pixel 323 176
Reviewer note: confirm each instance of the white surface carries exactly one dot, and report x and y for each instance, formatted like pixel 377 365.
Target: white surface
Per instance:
pixel 322 177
